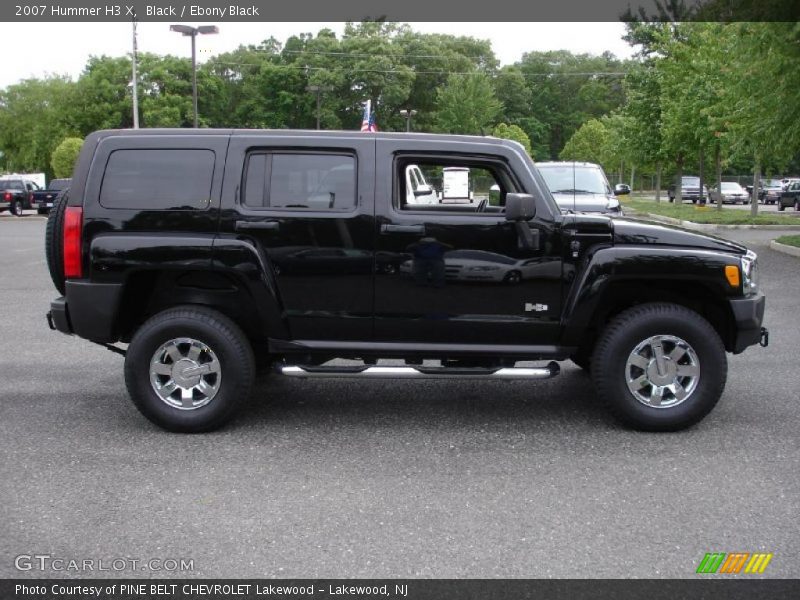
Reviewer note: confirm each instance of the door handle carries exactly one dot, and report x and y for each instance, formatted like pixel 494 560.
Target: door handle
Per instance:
pixel 390 228
pixel 242 225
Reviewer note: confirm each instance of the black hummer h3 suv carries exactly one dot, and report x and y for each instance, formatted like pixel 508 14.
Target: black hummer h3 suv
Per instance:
pixel 211 252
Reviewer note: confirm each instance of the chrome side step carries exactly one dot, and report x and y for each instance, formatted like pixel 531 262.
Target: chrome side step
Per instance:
pixel 420 372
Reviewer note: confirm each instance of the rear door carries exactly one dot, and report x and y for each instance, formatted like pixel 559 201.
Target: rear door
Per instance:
pixel 306 204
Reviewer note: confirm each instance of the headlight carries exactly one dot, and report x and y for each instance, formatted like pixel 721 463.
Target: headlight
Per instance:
pixel 749 272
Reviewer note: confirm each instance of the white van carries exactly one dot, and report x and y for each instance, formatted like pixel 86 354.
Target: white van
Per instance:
pixel 418 191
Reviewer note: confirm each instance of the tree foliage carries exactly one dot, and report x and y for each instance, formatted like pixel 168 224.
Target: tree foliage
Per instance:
pixel 513 132
pixel 466 104
pixel 64 156
pixel 691 87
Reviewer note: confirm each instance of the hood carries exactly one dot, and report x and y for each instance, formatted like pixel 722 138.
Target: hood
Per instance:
pixel 597 203
pixel 635 231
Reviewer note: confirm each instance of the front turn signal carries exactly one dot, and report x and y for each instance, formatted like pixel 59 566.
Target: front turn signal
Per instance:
pixel 732 275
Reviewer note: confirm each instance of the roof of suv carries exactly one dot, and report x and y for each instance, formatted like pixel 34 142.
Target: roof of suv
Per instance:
pixel 575 163
pixel 300 133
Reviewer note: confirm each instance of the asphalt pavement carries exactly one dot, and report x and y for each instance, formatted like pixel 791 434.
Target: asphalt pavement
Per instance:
pixel 336 478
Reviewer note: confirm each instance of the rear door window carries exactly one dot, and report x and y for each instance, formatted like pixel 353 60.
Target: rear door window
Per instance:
pixel 297 181
pixel 150 179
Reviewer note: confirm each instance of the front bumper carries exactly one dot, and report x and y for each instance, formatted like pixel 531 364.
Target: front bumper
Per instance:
pixel 749 314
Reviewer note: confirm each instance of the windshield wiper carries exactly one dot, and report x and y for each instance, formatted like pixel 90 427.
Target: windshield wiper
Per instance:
pixel 573 192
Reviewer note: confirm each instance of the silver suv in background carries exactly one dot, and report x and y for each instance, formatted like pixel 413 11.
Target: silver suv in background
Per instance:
pixel 580 187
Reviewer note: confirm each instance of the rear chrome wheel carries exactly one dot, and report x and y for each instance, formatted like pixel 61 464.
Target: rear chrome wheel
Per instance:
pixel 189 368
pixel 662 371
pixel 185 373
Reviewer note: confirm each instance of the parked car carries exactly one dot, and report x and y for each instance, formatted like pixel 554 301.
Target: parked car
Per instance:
pixel 791 197
pixel 749 189
pixel 773 188
pixel 43 199
pixel 733 193
pixel 169 239
pixel 16 195
pixel 690 190
pixel 581 187
pixel 787 181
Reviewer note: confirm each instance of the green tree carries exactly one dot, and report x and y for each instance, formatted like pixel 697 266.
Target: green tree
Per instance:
pixel 589 143
pixel 65 155
pixel 513 132
pixel 34 118
pixel 467 104
pixel 566 90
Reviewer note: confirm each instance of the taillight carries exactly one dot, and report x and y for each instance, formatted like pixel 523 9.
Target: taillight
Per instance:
pixel 73 222
pixel 30 197
pixel 7 197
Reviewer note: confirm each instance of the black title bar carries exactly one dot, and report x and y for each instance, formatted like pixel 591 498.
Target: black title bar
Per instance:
pixel 395 589
pixel 395 10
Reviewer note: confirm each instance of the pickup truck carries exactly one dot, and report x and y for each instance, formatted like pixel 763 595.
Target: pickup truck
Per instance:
pixel 202 254
pixel 690 190
pixel 16 195
pixel 43 198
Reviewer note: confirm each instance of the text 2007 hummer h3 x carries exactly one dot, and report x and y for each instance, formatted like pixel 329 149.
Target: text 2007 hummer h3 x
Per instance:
pixel 211 252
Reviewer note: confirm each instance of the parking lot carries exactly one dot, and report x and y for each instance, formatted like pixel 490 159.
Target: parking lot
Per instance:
pixel 390 479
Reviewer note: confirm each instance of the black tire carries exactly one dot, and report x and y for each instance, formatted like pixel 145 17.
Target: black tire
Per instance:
pixel 781 206
pixel 512 277
pixel 15 208
pixel 671 199
pixel 797 204
pixel 634 326
pixel 53 247
pixel 41 211
pixel 225 341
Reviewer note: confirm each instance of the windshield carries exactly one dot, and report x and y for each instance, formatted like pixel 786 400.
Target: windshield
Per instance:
pixel 566 179
pixel 690 180
pixel 729 186
pixel 774 183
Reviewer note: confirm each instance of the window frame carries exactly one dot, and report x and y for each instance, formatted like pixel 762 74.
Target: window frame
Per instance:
pixel 497 166
pixel 271 152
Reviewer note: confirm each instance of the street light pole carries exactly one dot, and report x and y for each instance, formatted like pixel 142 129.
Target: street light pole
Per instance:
pixel 194 77
pixel 317 90
pixel 134 82
pixel 192 32
pixel 407 114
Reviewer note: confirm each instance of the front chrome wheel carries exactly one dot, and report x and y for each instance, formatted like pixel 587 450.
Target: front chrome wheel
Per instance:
pixel 185 373
pixel 662 371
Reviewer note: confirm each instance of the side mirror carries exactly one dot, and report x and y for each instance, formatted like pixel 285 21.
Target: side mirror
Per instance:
pixel 423 190
pixel 520 207
pixel 622 189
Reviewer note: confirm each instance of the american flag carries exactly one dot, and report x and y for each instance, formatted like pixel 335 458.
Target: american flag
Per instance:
pixel 368 122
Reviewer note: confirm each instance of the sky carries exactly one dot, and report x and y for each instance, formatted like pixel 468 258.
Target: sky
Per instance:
pixel 67 46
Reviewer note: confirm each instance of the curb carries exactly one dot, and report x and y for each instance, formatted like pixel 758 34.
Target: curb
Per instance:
pixel 716 227
pixel 785 248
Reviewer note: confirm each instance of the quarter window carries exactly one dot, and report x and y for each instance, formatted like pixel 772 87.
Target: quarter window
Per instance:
pixel 158 179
